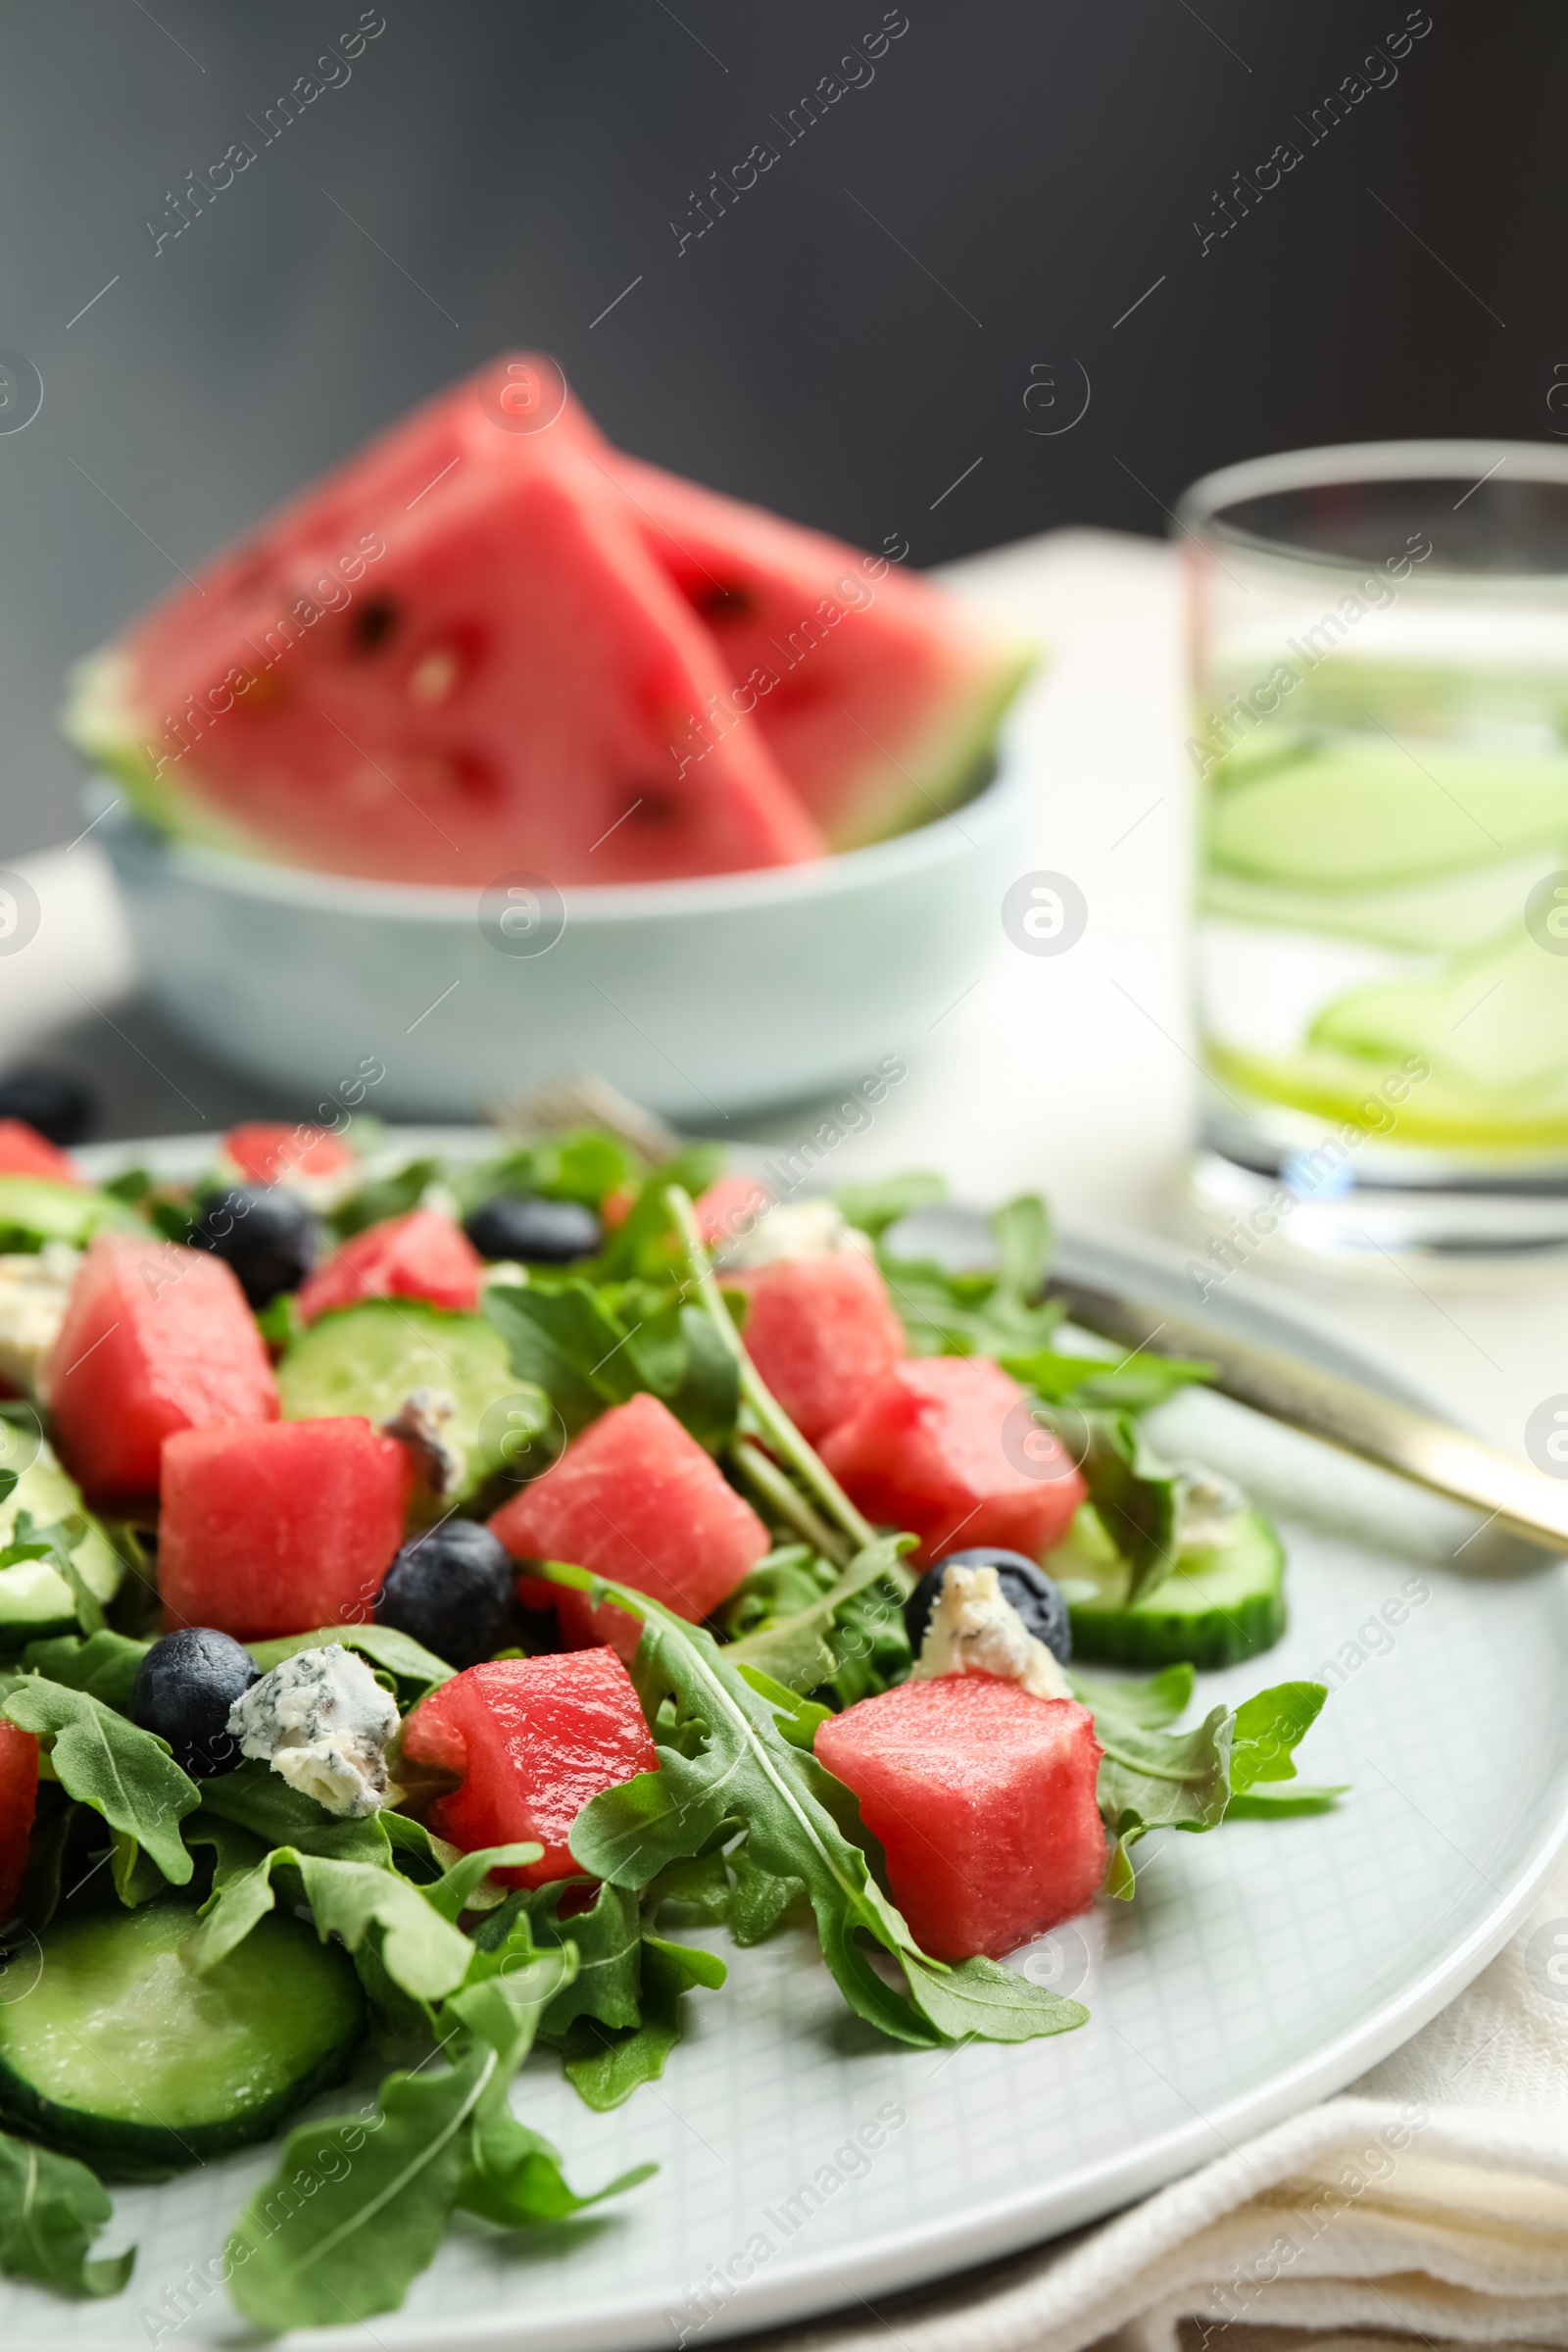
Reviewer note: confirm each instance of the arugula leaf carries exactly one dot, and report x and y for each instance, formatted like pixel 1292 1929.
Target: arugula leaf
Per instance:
pixel 588 1349
pixel 1134 1386
pixel 1280 1804
pixel 390 1196
pixel 51 2209
pixel 414 1667
pixel 537 1356
pixel 606 1937
pixel 872 1208
pixel 104 1665
pixel 604 2067
pixel 1151 1701
pixel 254 1797
pixel 1269 1727
pixel 806 1648
pixel 122 1772
pixel 1135 1493
pixel 799 1824
pixel 584 1164
pixel 984 1311
pixel 422 1950
pixel 452 1890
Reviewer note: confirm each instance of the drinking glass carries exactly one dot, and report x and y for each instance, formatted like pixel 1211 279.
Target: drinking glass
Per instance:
pixel 1380 734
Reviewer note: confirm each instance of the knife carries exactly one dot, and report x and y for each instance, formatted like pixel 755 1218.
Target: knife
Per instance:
pixel 1342 1413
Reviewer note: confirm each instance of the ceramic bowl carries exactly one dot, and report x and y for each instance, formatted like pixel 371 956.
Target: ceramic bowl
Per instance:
pixel 717 995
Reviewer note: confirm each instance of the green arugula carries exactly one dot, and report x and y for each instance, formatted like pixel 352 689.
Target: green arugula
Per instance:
pixel 351 2241
pixel 872 1208
pixel 104 1665
pixel 604 2065
pixel 589 1347
pixel 825 1639
pixel 1268 1729
pixel 1152 1778
pixel 1134 1384
pixel 55 1543
pixel 585 1164
pixel 390 1196
pixel 122 1772
pixel 986 1311
pixel 1135 1493
pixel 51 2209
pixel 801 1824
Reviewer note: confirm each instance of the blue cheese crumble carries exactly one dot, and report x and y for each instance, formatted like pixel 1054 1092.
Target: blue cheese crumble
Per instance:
pixel 323 1721
pixel 975 1629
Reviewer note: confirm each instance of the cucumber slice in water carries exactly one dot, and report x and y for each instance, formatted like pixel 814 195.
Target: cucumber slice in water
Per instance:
pixel 1493 1020
pixel 370 1358
pixel 1217 1607
pixel 1357 813
pixel 118 2050
pixel 35 1598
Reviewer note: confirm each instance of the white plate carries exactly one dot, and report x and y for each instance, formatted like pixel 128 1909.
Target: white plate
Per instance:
pixel 1259 1968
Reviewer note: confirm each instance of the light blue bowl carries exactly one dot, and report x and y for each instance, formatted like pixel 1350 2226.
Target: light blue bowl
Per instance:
pixel 721 994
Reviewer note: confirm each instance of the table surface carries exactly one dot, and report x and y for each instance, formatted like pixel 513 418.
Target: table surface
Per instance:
pixel 1070 1074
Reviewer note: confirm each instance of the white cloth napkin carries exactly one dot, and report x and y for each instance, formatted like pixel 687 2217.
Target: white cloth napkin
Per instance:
pixel 1431 2198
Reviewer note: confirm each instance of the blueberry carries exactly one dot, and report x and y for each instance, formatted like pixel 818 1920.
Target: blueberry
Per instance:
pixel 549 1233
pixel 54 1102
pixel 185 1685
pixel 450 1589
pixel 266 1233
pixel 1037 1597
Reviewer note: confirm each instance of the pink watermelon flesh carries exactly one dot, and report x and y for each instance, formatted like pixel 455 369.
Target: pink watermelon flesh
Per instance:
pixel 534 1739
pixel 944 1447
pixel 452 660
pixel 983 1799
pixel 875 690
pixel 636 1499
pixel 418 1255
pixel 278 1528
pixel 155 1338
pixel 822 1333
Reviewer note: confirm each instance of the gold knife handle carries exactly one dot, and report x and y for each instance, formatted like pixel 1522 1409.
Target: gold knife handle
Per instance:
pixel 1341 1411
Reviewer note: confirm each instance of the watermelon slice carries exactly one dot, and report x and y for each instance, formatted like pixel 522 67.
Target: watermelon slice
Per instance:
pixel 877 692
pixel 278 1527
pixel 636 1499
pixel 937 1447
pixel 983 1798
pixel 155 1338
pixel 822 1333
pixel 418 1255
pixel 23 1151
pixel 452 659
pixel 19 1796
pixel 534 1739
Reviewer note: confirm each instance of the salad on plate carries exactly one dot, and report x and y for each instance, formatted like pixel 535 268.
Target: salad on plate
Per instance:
pixel 436 1589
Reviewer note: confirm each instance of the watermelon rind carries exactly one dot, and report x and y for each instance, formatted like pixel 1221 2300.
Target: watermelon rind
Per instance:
pixel 948 772
pixel 100 721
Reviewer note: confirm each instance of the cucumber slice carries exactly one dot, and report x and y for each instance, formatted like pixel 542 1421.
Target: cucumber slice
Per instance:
pixel 1438 915
pixel 33 1209
pixel 1435 1111
pixel 1493 1021
pixel 370 1358
pixel 1217 1607
pixel 35 1598
pixel 121 2052
pixel 1358 813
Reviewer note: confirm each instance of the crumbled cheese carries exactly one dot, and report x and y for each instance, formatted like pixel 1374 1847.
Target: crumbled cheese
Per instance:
pixel 34 1291
pixel 420 1424
pixel 323 1721
pixel 510 1271
pixel 975 1629
pixel 797 1229
pixel 1209 1508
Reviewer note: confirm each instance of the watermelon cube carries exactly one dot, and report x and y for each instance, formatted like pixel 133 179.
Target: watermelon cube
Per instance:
pixel 19 1796
pixel 944 1447
pixel 264 1152
pixel 533 1739
pixel 278 1527
pixel 155 1338
pixel 983 1799
pixel 420 1256
pixel 636 1499
pixel 23 1151
pixel 822 1333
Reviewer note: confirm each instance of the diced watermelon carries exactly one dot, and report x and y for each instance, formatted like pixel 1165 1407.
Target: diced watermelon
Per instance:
pixel 19 1797
pixel 730 1210
pixel 822 1333
pixel 928 1450
pixel 418 1255
pixel 636 1499
pixel 278 1527
pixel 267 1152
pixel 983 1798
pixel 155 1338
pixel 452 659
pixel 23 1151
pixel 534 1740
pixel 876 691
